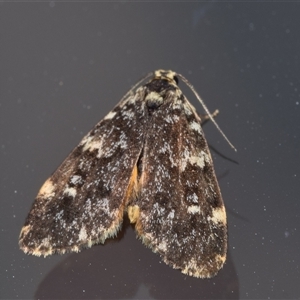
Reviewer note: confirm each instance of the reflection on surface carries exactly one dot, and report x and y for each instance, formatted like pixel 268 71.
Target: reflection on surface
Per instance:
pixel 125 268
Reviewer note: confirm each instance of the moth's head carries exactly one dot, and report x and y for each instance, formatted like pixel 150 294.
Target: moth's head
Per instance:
pixel 166 75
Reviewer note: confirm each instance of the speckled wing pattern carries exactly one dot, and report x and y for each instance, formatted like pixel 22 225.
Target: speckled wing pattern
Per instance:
pixel 181 212
pixel 82 203
pixel 148 157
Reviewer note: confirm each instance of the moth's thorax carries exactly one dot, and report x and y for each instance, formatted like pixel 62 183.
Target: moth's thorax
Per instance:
pixel 160 86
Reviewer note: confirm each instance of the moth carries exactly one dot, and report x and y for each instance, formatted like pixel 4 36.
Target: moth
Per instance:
pixel 148 158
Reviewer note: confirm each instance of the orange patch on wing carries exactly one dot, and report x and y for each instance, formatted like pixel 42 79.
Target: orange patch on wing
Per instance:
pixel 132 186
pixel 130 193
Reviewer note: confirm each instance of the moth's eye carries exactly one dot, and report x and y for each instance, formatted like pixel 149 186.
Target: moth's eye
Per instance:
pixel 176 79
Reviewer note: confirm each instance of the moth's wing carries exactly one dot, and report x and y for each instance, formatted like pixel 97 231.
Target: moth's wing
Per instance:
pixel 82 203
pixel 180 212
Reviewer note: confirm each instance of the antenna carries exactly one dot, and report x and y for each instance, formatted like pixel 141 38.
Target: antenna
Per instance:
pixel 206 109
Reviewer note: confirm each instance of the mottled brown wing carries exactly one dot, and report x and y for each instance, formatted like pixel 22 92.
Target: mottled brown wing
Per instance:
pixel 82 203
pixel 180 212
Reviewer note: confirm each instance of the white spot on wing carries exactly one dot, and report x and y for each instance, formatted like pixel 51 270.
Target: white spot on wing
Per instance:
pixel 47 190
pixel 128 114
pixel 75 179
pixel 171 214
pixel 218 215
pixel 187 110
pixel 196 160
pixel 196 126
pixel 168 119
pixel 82 234
pixel 90 143
pixel 110 115
pixel 200 160
pixel 162 246
pixel 194 209
pixel 46 242
pixel 193 198
pixel 70 191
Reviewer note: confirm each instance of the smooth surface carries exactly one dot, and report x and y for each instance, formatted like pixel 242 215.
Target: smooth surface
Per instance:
pixel 65 65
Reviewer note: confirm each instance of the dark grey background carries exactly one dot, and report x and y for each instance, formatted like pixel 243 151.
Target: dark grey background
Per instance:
pixel 65 65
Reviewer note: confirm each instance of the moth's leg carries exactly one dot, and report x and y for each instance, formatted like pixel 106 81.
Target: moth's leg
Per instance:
pixel 205 118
